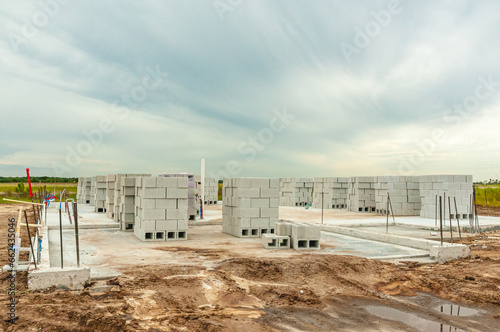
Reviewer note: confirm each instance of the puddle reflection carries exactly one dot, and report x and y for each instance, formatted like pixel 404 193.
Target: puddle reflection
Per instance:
pixel 412 320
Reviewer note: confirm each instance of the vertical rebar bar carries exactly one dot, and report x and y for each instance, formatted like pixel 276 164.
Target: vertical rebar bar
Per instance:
pixel 29 236
pixel 441 217
pixel 449 209
pixel 458 220
pixel 75 212
pixel 61 238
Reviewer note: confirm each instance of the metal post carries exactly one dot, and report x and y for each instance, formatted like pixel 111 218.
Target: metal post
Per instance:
pixel 436 212
pixel 75 211
pixel 449 210
pixel 458 221
pixel 322 200
pixel 486 198
pixel 61 238
pixel 441 217
pixel 29 237
pixel 387 213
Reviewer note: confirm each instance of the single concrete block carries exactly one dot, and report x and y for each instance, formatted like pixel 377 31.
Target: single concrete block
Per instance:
pixel 164 225
pixel 272 241
pixel 166 203
pixel 167 182
pixel 283 228
pixel 182 225
pixel 269 212
pixel 69 278
pixel 149 183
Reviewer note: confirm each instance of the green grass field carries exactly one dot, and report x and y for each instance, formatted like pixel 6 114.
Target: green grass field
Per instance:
pixel 488 192
pixel 8 190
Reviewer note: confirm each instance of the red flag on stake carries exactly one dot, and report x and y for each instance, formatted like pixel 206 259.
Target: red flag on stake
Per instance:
pixel 29 181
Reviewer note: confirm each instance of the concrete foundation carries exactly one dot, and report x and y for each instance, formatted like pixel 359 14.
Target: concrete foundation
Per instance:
pixel 71 278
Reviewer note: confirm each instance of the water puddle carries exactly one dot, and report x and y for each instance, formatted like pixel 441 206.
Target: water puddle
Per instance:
pixel 456 310
pixel 412 320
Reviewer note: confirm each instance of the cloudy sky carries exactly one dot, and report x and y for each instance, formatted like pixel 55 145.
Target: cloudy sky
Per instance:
pixel 259 88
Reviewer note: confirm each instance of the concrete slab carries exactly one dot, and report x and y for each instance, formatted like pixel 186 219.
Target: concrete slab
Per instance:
pixel 348 245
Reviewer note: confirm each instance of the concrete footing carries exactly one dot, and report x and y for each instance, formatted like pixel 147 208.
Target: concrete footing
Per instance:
pixel 444 253
pixel 72 278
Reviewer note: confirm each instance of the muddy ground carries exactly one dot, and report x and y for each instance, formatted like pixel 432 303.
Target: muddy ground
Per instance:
pixel 306 293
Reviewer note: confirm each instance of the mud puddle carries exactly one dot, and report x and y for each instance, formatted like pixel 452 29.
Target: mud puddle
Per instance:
pixel 419 323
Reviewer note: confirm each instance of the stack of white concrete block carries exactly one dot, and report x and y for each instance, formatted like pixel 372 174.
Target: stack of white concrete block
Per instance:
pixel 127 202
pixel 303 236
pixel 404 193
pixel 100 194
pixel 161 208
pixel 92 191
pixel 192 200
pixel 110 195
pixel 211 191
pixel 81 192
pixel 454 186
pixel 330 192
pixel 361 193
pixel 250 206
pixel 296 191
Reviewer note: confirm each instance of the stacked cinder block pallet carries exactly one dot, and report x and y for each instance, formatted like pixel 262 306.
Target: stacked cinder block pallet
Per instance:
pixel 92 191
pixel 127 203
pixel 211 191
pixel 110 195
pixel 100 194
pixel 192 206
pixel 161 208
pixel 80 191
pixel 404 192
pixel 362 194
pixel 454 186
pixel 299 236
pixel 250 206
pixel 296 191
pixel 332 191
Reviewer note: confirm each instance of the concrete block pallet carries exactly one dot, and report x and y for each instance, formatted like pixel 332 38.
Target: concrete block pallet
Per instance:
pixel 296 191
pixel 92 191
pixel 211 191
pixel 454 186
pixel 192 205
pixel 330 192
pixel 404 193
pixel 125 200
pixel 161 208
pixel 250 206
pixel 361 194
pixel 84 190
pixel 100 194
pixel 110 195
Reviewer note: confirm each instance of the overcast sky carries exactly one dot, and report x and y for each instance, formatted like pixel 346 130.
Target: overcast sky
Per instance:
pixel 258 88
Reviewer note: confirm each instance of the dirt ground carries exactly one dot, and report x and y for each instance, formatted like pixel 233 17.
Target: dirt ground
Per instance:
pixel 307 293
pixel 492 211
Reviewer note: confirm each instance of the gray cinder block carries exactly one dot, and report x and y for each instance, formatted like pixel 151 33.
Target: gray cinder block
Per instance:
pixel 272 241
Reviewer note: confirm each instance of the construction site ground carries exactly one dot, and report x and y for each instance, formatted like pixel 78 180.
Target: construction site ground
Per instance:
pixel 216 282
